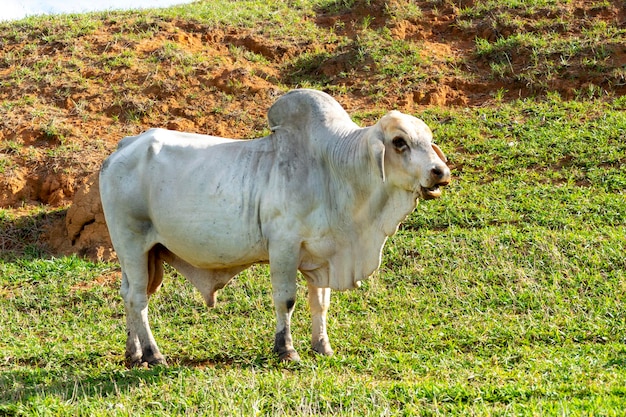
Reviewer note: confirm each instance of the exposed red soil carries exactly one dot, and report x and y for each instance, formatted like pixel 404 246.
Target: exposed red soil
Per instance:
pixel 58 125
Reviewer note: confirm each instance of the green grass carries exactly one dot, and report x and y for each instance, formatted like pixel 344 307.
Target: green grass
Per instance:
pixel 536 43
pixel 504 297
pixel 536 46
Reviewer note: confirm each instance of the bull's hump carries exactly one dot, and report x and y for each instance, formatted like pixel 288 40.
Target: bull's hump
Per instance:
pixel 306 109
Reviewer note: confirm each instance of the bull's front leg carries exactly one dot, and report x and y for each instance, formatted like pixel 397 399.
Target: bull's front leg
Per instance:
pixel 283 270
pixel 319 302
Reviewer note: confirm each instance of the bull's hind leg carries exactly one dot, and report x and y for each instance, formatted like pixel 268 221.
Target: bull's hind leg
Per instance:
pixel 319 301
pixel 133 347
pixel 141 348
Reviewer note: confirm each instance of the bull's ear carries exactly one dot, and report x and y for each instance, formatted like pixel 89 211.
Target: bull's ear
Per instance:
pixel 377 153
pixel 439 153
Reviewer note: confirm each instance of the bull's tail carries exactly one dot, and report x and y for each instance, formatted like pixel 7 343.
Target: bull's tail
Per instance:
pixel 155 269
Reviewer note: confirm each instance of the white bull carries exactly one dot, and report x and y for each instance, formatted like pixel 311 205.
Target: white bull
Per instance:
pixel 319 195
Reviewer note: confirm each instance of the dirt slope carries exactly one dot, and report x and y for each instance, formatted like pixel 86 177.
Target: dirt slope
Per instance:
pixel 69 94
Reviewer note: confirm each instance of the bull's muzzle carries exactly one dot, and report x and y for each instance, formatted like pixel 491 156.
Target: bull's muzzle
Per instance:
pixel 439 177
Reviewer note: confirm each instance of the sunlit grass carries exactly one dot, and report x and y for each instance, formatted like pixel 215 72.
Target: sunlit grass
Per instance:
pixel 504 297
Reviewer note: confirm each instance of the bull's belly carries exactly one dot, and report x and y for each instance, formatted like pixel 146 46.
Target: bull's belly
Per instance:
pixel 210 248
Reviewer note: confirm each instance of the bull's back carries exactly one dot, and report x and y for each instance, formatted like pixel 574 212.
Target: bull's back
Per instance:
pixel 197 195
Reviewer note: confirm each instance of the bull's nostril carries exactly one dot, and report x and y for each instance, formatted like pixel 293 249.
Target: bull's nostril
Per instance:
pixel 437 172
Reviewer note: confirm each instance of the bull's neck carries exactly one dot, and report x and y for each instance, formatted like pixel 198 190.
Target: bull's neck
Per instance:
pixel 368 200
pixel 349 158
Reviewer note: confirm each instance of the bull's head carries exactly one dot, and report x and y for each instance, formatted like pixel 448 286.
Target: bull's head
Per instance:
pixel 402 148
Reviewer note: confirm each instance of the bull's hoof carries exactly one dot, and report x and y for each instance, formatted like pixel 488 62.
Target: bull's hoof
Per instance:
pixel 323 348
pixel 146 362
pixel 285 351
pixel 132 360
pixel 289 356
pixel 155 360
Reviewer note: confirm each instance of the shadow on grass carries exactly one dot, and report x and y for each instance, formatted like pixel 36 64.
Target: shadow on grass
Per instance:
pixel 618 360
pixel 20 387
pixel 21 235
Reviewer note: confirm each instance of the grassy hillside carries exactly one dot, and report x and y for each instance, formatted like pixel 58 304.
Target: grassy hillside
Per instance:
pixel 504 297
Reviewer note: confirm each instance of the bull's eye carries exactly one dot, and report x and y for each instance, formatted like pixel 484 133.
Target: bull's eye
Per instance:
pixel 399 144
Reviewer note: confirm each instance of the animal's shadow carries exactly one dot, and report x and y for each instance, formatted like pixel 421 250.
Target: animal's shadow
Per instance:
pixel 618 360
pixel 71 384
pixel 21 237
pixel 20 386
